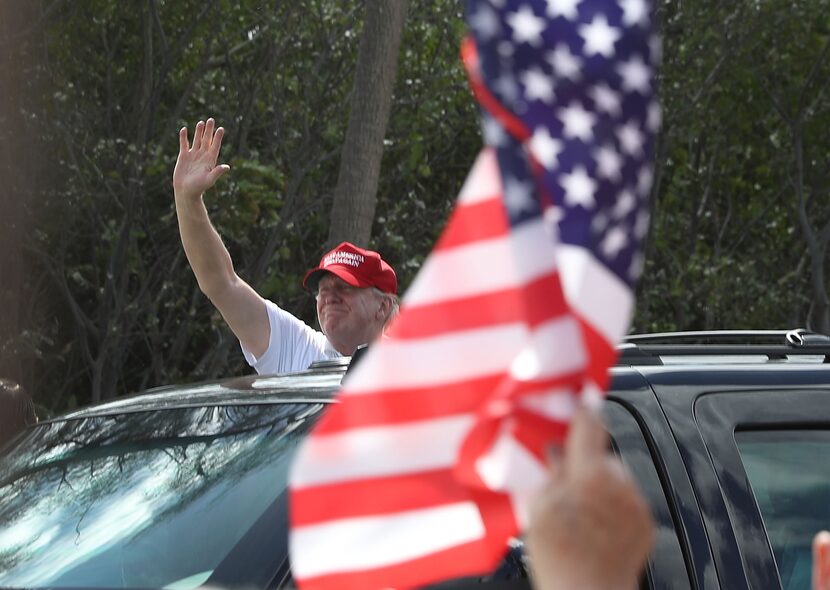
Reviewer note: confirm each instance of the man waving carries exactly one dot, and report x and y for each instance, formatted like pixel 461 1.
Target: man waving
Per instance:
pixel 355 288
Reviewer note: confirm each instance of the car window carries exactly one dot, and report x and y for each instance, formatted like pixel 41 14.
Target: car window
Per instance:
pixel 146 500
pixel 789 472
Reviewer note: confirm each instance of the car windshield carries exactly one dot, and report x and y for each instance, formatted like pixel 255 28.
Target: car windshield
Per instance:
pixel 162 499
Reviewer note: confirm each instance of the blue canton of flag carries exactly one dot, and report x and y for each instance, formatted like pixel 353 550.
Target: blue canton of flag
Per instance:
pixel 580 77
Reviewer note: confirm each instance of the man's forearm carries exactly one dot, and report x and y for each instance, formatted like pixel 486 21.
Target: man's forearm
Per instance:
pixel 207 255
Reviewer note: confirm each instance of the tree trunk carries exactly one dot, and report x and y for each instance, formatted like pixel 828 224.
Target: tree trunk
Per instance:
pixel 355 195
pixel 18 170
pixel 819 320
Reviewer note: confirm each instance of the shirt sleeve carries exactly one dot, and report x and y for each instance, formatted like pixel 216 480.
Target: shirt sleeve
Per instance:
pixel 292 347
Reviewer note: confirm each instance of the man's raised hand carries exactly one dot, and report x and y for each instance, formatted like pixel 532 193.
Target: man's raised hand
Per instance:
pixel 196 169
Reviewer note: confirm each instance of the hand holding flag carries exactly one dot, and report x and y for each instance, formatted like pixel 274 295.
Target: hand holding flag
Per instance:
pixel 590 527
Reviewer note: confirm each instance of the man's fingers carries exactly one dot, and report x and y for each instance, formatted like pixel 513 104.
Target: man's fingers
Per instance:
pixel 587 440
pixel 183 144
pixel 198 135
pixel 216 145
pixel 208 138
pixel 556 462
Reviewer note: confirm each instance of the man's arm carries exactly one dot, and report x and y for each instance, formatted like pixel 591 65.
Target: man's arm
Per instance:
pixel 589 528
pixel 196 171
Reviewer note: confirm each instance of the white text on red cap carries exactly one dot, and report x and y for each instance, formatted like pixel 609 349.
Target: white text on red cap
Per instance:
pixel 347 258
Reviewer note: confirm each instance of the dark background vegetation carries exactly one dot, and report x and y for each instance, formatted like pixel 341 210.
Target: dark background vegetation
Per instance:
pixel 97 300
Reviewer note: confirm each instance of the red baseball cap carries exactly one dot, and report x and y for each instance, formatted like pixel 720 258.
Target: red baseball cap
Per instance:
pixel 356 266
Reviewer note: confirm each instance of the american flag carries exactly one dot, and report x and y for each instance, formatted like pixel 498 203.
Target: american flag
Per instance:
pixel 425 469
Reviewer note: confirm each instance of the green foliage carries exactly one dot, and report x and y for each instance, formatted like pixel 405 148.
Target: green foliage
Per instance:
pixel 111 303
pixel 726 248
pixel 120 80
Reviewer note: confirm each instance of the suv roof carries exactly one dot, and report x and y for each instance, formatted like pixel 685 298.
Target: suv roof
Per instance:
pixel 725 346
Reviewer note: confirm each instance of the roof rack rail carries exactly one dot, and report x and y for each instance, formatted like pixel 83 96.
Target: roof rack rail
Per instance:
pixel 718 336
pixel 642 349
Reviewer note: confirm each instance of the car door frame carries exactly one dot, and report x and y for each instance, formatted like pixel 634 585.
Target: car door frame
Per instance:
pixel 719 417
pixel 646 445
pixel 704 410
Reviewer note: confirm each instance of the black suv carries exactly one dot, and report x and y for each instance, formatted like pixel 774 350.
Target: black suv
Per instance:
pixel 727 433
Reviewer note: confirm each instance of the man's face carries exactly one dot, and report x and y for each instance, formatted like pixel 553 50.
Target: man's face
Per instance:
pixel 348 315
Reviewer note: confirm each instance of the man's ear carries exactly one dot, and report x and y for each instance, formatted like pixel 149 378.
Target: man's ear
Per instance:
pixel 383 310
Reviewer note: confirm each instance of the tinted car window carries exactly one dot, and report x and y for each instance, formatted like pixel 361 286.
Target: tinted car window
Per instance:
pixel 152 499
pixel 790 476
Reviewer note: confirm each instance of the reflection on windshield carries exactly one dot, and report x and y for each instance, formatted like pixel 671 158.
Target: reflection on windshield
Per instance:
pixel 151 499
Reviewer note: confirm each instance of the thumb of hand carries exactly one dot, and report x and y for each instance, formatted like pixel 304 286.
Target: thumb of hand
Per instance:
pixel 218 172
